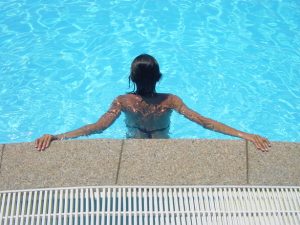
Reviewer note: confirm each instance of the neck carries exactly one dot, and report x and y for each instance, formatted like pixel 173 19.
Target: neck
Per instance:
pixel 145 93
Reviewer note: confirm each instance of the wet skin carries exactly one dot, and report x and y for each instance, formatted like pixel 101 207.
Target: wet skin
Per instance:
pixel 144 115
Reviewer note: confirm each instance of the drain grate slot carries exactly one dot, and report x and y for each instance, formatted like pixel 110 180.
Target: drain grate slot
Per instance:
pixel 152 205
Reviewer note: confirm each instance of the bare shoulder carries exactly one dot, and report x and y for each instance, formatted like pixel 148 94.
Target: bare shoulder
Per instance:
pixel 173 100
pixel 125 96
pixel 125 99
pixel 166 95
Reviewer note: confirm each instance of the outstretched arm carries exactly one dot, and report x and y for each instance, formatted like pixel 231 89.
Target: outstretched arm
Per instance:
pixel 104 122
pixel 259 142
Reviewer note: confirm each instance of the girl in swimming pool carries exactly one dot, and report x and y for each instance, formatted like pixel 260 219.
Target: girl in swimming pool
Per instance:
pixel 147 113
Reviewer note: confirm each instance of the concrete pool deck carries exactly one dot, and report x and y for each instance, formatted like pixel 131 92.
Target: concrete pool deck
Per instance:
pixel 148 162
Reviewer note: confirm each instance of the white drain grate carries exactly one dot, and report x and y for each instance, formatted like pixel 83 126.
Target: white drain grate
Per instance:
pixel 152 205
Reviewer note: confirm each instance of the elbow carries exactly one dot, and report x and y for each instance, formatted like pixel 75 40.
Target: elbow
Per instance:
pixel 208 124
pixel 100 126
pixel 97 128
pixel 91 129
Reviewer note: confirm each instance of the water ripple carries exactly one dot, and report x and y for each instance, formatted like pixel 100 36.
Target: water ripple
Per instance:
pixel 62 63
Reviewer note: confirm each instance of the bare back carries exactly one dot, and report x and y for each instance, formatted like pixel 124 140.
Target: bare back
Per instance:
pixel 147 117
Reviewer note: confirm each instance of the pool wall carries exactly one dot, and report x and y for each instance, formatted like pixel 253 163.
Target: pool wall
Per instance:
pixel 148 162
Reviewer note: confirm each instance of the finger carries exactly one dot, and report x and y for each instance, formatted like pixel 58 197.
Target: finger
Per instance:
pixel 266 140
pixel 48 141
pixel 39 142
pixel 44 143
pixel 256 144
pixel 36 143
pixel 266 143
pixel 263 143
pixel 266 149
pixel 263 146
pixel 259 143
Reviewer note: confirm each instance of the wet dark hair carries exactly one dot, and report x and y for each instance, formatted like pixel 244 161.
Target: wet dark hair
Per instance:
pixel 144 74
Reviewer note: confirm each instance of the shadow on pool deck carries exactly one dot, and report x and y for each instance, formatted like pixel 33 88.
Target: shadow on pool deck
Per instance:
pixel 147 162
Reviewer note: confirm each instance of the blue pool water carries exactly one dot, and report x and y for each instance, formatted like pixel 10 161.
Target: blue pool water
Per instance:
pixel 63 62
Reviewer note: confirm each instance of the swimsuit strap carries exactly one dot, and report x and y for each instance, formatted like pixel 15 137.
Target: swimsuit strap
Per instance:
pixel 148 132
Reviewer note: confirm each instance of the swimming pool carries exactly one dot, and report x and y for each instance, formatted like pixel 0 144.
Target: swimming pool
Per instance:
pixel 63 62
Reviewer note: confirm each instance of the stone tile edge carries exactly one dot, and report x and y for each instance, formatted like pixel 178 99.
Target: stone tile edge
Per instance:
pixel 247 161
pixel 1 156
pixel 119 163
pixel 171 139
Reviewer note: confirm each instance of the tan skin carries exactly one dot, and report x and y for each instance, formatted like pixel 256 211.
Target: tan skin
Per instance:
pixel 152 114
